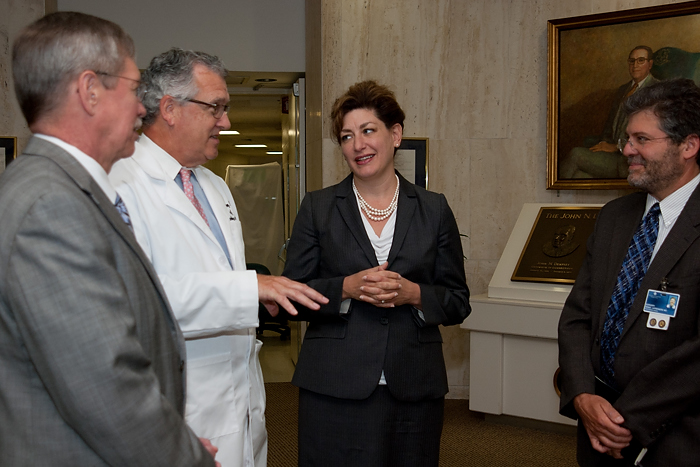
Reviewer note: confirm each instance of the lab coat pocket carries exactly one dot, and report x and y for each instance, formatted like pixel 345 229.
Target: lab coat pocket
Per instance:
pixel 211 406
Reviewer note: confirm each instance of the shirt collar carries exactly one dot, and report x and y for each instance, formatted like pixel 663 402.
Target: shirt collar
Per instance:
pixel 672 205
pixel 170 166
pixel 96 171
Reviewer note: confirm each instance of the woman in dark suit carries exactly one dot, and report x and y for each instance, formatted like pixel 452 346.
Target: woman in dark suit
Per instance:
pixel 388 256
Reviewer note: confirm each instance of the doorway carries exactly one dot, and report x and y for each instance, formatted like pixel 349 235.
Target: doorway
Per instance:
pixel 262 161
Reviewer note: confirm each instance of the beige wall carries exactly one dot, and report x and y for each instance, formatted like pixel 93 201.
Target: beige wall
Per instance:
pixel 471 75
pixel 14 15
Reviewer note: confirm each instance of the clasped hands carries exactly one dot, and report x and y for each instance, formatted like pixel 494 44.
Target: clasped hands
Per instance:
pixel 382 288
pixel 604 146
pixel 603 424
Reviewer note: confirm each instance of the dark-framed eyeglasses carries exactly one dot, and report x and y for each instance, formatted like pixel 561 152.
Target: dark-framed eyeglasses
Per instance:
pixel 638 61
pixel 219 109
pixel 638 141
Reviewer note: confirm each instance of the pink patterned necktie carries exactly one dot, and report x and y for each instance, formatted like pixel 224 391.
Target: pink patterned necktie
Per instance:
pixel 189 192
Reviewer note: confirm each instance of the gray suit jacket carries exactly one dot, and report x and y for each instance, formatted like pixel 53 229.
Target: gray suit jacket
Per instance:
pixel 344 355
pixel 658 372
pixel 91 359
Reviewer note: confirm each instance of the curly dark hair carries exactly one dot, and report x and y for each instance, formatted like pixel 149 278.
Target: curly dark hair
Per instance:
pixel 371 96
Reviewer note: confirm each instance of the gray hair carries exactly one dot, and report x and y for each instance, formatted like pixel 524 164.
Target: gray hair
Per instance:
pixel 51 52
pixel 675 102
pixel 172 74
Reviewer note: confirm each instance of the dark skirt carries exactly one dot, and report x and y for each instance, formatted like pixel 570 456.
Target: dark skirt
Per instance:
pixel 379 431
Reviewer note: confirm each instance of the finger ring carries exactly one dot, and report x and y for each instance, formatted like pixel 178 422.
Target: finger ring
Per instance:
pixel 382 302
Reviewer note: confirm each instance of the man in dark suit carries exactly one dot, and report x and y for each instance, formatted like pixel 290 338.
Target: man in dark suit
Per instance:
pixel 602 159
pixel 632 383
pixel 91 358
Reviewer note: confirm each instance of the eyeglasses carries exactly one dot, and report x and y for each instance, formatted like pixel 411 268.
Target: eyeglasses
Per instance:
pixel 638 61
pixel 638 141
pixel 219 109
pixel 102 73
pixel 138 82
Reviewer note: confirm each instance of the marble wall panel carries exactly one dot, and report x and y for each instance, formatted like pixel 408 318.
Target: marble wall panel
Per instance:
pixel 15 15
pixel 471 76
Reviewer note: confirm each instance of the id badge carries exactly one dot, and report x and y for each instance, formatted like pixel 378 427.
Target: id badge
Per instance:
pixel 661 307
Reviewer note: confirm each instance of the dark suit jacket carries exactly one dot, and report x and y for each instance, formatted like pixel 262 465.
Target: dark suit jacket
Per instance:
pixel 658 372
pixel 616 123
pixel 343 356
pixel 91 358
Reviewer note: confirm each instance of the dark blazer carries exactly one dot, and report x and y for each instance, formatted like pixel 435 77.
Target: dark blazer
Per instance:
pixel 91 358
pixel 658 372
pixel 343 355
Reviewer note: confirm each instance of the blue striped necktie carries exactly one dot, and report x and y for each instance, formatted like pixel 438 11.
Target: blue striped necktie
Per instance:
pixel 121 207
pixel 634 267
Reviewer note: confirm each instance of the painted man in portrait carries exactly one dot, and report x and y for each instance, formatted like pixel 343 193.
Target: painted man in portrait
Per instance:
pixel 603 160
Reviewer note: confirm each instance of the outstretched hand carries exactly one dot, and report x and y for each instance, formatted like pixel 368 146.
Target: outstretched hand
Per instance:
pixel 276 291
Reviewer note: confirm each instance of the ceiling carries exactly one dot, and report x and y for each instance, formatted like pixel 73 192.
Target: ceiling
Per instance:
pixel 256 110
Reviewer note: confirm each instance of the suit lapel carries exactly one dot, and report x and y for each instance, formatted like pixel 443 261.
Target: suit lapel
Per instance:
pixel 404 215
pixel 223 214
pixel 350 213
pixel 171 194
pixel 621 235
pixel 87 184
pixel 682 235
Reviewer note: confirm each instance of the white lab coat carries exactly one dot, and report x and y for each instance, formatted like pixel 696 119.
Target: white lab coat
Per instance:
pixel 216 307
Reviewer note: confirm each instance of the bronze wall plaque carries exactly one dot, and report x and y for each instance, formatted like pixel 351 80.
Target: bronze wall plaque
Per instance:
pixel 556 247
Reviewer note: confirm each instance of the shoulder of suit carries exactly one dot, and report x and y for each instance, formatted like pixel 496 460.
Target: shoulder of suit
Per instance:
pixel 625 202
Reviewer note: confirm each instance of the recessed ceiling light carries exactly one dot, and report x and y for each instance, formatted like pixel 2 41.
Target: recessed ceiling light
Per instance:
pixel 274 152
pixel 266 80
pixel 229 132
pixel 251 145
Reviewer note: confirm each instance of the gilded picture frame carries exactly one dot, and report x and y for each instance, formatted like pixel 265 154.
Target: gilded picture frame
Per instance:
pixel 587 70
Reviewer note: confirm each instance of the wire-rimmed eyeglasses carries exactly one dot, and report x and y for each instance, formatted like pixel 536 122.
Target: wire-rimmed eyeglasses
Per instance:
pixel 138 82
pixel 638 141
pixel 219 109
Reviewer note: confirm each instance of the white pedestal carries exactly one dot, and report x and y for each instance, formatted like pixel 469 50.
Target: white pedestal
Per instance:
pixel 513 352
pixel 513 357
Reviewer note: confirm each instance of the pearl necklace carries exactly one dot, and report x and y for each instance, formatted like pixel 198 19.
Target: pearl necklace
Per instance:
pixel 378 214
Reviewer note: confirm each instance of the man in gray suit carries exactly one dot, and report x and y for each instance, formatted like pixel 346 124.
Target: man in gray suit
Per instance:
pixel 91 358
pixel 629 363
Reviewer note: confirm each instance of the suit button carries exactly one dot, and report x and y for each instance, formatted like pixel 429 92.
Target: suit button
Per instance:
pixel 182 365
pixel 384 320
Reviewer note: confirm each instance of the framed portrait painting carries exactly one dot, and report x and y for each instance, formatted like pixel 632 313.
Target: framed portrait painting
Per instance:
pixel 595 63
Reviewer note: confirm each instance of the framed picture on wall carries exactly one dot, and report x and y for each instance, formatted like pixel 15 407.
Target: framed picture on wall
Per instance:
pixel 9 144
pixel 412 160
pixel 594 63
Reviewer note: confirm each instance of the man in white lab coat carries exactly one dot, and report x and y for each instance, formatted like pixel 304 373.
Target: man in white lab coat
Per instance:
pixel 186 221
